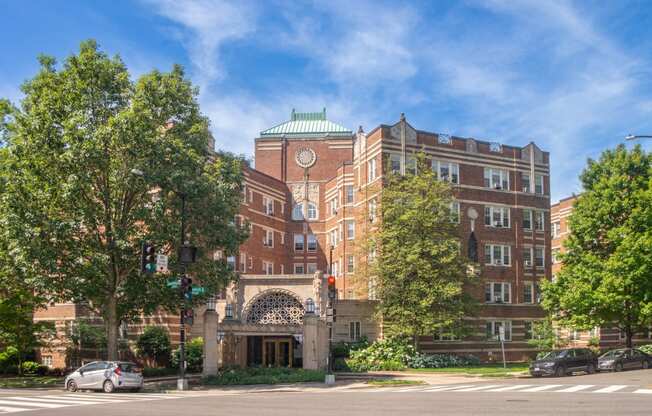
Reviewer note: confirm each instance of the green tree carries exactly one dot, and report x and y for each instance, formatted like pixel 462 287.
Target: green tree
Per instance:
pixel 154 345
pixel 420 272
pixel 606 278
pixel 543 335
pixel 72 206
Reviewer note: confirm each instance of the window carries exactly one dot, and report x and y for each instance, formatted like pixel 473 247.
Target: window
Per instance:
pixel 455 212
pixel 395 163
pixel 573 335
pixel 371 170
pixel 527 257
pixel 527 219
pixel 354 330
pixel 282 269
pixel 411 165
pixel 298 242
pixel 495 147
pixel 332 206
pixel 527 326
pixel 350 264
pixel 251 263
pixel 297 212
pixel 371 288
pixel 312 211
pixel 497 255
pixel 333 237
pixel 46 360
pixel 493 330
pixel 537 293
pixel 298 268
pixel 350 230
pixel 283 238
pixel 230 262
pixel 243 262
pixel 496 178
pixel 312 268
pixel 268 241
pixel 444 138
pixel 556 229
pixel 538 184
pixel 348 190
pixel 446 171
pixel 312 242
pixel 335 268
pixel 497 292
pixel 444 335
pixel 269 205
pixel 539 219
pixel 528 292
pixel 268 267
pixel 372 210
pixel 538 257
pixel 525 181
pixel 496 216
pixel 555 255
pixel 244 193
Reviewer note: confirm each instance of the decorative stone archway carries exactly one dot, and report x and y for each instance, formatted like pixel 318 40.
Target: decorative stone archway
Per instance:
pixel 274 307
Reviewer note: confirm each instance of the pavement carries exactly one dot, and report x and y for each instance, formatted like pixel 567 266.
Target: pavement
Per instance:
pixel 627 393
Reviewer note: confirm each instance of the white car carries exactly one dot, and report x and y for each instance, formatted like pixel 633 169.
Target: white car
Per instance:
pixel 105 375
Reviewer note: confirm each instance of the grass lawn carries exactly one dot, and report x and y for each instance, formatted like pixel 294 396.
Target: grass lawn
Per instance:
pixel 392 383
pixel 30 382
pixel 487 370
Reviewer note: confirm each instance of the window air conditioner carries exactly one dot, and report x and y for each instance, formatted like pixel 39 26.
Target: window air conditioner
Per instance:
pixel 497 186
pixel 528 263
pixel 498 299
pixel 498 224
pixel 526 189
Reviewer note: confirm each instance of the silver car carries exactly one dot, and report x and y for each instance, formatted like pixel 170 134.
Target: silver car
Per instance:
pixel 105 375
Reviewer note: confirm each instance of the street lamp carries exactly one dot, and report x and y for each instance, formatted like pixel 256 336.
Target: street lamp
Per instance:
pixel 637 136
pixel 220 336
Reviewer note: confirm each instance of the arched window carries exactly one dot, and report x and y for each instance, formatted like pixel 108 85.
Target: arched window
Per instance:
pixel 297 212
pixel 312 211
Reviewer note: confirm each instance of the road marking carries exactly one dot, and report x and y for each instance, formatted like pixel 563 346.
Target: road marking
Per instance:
pixel 407 390
pixel 511 388
pixel 444 388
pixel 478 388
pixel 573 389
pixel 18 401
pixel 62 400
pixel 541 388
pixel 643 391
pixel 610 389
pixel 13 409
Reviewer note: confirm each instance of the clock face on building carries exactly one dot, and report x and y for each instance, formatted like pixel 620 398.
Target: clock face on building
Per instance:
pixel 305 157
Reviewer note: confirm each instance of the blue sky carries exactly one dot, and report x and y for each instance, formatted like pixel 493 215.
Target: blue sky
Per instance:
pixel 572 76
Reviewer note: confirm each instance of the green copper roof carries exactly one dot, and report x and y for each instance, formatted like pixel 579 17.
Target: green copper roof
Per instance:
pixel 307 125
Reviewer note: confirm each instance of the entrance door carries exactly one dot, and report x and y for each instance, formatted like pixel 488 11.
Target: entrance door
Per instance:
pixel 277 352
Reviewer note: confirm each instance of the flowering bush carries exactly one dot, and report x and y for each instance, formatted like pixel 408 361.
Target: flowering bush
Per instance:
pixel 442 361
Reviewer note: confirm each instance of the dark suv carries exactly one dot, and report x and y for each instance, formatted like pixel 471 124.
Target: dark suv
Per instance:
pixel 562 362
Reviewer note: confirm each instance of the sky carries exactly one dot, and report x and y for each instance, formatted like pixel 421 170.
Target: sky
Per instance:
pixel 572 76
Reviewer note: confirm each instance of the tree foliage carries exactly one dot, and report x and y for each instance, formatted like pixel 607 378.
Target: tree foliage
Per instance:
pixel 154 345
pixel 72 212
pixel 606 277
pixel 420 272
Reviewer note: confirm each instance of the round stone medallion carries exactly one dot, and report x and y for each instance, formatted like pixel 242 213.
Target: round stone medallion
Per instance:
pixel 305 157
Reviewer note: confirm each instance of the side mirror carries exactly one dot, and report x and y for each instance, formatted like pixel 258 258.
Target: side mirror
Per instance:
pixel 81 373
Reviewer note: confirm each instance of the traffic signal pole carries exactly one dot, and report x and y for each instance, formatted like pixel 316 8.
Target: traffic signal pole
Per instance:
pixel 330 378
pixel 182 383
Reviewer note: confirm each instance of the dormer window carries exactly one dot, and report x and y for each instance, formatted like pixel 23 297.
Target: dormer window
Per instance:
pixel 444 139
pixel 495 147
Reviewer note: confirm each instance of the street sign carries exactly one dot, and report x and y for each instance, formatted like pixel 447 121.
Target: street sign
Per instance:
pixel 198 290
pixel 161 263
pixel 501 333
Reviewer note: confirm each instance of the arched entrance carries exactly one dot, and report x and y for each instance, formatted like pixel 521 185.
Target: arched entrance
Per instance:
pixel 279 308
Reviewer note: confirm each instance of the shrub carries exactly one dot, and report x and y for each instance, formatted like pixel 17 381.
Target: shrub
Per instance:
pixel 8 360
pixel 31 368
pixel 646 348
pixel 263 376
pixel 154 345
pixel 442 361
pixel 343 349
pixel 159 372
pixel 194 355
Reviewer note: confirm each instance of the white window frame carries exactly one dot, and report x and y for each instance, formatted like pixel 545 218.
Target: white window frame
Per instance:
pixel 538 185
pixel 312 213
pixel 311 268
pixel 332 234
pixel 527 216
pixel 230 262
pixel 349 191
pixel 528 263
pixel 455 212
pixel 453 170
pixel 556 229
pixel 310 239
pixel 539 220
pixel 504 213
pixel 299 268
pixel 371 170
pixel 503 296
pixel 243 261
pixel 268 267
pixel 332 206
pixel 268 203
pixel 268 241
pixel 529 285
pixel 373 207
pixel 350 230
pixel 355 330
pixel 535 258
pixel 495 331
pixel 299 239
pixel 350 263
pixel 297 212
pixel 526 183
pixel 490 180
pixel 395 158
pixel 505 251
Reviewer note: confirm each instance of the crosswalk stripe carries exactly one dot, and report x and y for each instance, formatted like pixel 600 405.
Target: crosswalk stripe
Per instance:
pixel 62 400
pixel 610 389
pixel 17 401
pixel 444 388
pixel 477 388
pixel 643 391
pixel 511 388
pixel 104 398
pixel 573 389
pixel 12 409
pixel 407 390
pixel 541 388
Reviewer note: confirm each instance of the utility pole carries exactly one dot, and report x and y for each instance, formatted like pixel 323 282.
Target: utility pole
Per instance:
pixel 182 383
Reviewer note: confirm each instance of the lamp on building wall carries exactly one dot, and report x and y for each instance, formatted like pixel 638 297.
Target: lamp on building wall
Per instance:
pixel 220 336
pixel 228 311
pixel 310 306
pixel 210 303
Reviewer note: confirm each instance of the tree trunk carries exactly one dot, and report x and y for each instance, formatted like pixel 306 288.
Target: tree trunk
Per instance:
pixel 629 335
pixel 112 329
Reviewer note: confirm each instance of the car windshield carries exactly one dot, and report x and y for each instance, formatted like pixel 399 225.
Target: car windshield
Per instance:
pixel 613 353
pixel 555 354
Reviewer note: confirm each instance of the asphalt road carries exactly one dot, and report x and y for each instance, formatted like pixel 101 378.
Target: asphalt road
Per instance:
pixel 627 393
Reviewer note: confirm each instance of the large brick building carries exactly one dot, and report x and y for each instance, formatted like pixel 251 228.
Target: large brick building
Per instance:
pixel 314 193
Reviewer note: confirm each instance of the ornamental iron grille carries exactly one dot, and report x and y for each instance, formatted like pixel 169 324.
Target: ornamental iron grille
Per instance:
pixel 276 308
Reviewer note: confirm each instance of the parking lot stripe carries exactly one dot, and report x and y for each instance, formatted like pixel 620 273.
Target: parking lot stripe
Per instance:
pixel 511 388
pixel 579 387
pixel 541 388
pixel 477 388
pixel 611 389
pixel 643 391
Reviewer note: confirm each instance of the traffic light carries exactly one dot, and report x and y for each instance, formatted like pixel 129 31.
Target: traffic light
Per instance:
pixel 188 316
pixel 332 290
pixel 147 258
pixel 186 288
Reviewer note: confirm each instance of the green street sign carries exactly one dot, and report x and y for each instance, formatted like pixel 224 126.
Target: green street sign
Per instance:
pixel 198 290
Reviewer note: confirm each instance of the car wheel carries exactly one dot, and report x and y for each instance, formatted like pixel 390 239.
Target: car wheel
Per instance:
pixel 108 386
pixel 561 371
pixel 618 367
pixel 590 369
pixel 645 365
pixel 72 386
